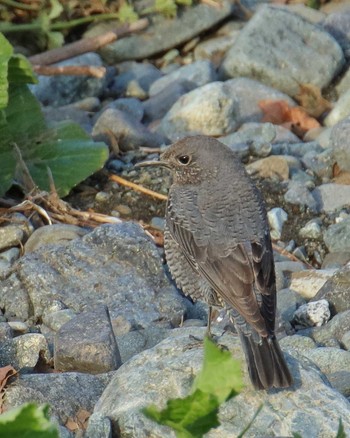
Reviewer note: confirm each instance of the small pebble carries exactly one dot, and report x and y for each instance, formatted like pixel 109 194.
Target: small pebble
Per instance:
pixel 18 326
pixel 311 230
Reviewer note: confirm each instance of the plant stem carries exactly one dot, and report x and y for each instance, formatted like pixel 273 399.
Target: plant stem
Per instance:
pixel 61 25
pixel 17 5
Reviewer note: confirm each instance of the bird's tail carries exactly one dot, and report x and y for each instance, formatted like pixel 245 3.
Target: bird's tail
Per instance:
pixel 266 364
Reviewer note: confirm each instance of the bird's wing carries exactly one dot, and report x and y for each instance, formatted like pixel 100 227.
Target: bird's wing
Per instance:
pixel 243 276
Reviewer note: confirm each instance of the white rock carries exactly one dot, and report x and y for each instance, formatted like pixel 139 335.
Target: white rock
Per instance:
pixel 314 313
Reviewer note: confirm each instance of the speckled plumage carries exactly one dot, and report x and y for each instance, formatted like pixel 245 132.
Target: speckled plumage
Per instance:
pixel 218 248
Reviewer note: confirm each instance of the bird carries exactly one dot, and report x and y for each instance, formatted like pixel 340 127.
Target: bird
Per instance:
pixel 218 248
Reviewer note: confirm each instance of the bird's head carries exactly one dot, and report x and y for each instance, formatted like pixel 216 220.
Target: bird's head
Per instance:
pixel 192 159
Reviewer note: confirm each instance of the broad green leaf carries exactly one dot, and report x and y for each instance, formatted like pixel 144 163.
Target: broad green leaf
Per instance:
pixel 27 421
pixel 70 154
pixel 190 417
pixel 5 55
pixel 20 70
pixel 66 149
pixel 220 375
pixel 7 158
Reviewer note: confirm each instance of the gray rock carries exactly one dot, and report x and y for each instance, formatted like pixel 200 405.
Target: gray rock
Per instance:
pixel 312 314
pixel 215 48
pixel 288 302
pixel 340 111
pixel 136 341
pixel 338 25
pixel 68 113
pixel 55 320
pixel 297 343
pixel 115 265
pixel 302 177
pixel 218 108
pixel 321 164
pixel 340 144
pixel 62 90
pixel 196 75
pixel 50 234
pixel 134 80
pixel 164 34
pixel 189 115
pixel 86 343
pixel 67 393
pixel 7 258
pixel 308 282
pixel 10 235
pixel 335 364
pixel 336 290
pixel 130 105
pixel 18 326
pixel 276 217
pixel 337 236
pixel 254 138
pixel 296 149
pixel 336 260
pixel 158 105
pixel 331 197
pixel 266 52
pixel 298 194
pixel 311 230
pixel 23 351
pixel 284 270
pixel 334 330
pixel 248 94
pixel 166 370
pixel 273 167
pixel 6 332
pixel 99 427
pixel 345 340
pixel 344 83
pixel 128 132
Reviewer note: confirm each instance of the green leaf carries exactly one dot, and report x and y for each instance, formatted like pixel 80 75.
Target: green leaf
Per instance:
pixel 127 14
pixel 190 417
pixel 184 2
pixel 341 432
pixel 20 70
pixel 27 421
pixel 66 148
pixel 220 375
pixel 167 8
pixel 5 55
pixel 54 39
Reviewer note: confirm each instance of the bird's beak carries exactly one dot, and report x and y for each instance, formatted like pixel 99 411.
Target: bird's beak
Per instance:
pixel 152 163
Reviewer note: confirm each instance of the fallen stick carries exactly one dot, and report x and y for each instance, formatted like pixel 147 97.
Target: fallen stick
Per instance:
pixel 291 256
pixel 137 187
pixel 85 45
pixel 73 70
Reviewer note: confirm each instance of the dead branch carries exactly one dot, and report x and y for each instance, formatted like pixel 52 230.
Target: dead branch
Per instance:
pixel 74 70
pixel 85 45
pixel 137 187
pixel 291 256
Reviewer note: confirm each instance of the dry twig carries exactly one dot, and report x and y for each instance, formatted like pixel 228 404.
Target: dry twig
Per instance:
pixel 137 187
pixel 86 44
pixel 291 256
pixel 74 70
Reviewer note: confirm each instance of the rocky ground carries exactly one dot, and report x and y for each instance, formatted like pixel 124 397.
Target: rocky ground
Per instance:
pixel 98 307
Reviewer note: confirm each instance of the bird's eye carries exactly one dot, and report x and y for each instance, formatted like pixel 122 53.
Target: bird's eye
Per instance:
pixel 184 159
